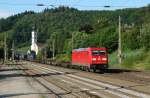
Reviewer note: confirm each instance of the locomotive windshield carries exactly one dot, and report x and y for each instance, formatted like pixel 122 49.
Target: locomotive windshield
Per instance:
pixel 98 52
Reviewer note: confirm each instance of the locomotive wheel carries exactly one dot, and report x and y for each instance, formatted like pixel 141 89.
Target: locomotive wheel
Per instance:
pixel 94 69
pixel 82 68
pixel 87 69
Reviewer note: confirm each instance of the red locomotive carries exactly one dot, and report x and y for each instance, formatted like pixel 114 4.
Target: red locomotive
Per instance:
pixel 90 58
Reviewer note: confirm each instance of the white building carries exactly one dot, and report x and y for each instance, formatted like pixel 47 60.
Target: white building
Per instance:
pixel 34 46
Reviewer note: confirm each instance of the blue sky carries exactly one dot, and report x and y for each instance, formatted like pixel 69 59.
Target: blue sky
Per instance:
pixel 11 7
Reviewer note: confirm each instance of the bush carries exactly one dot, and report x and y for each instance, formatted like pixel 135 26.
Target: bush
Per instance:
pixel 113 60
pixel 133 59
pixel 63 58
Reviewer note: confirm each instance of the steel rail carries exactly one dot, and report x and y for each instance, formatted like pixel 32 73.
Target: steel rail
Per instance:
pixel 132 92
pixel 30 73
pixel 69 90
pixel 61 87
pixel 110 91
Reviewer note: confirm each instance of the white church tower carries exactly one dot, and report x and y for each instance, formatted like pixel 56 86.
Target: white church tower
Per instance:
pixel 34 46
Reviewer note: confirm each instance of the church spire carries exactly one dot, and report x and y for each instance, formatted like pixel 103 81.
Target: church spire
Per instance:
pixel 34 46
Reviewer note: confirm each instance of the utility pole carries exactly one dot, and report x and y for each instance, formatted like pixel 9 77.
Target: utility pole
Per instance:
pixel 72 41
pixel 119 43
pixel 53 44
pixel 45 55
pixel 13 51
pixel 72 35
pixel 5 49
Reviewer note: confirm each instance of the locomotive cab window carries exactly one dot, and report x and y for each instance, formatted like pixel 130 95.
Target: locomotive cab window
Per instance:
pixel 98 52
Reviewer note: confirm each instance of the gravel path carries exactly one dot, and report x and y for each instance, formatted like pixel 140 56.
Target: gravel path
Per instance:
pixel 15 84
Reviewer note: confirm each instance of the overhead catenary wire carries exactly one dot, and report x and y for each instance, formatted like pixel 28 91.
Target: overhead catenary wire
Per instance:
pixel 57 3
pixel 102 6
pixel 16 4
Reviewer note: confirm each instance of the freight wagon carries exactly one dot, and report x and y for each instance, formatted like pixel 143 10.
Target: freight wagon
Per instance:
pixel 90 58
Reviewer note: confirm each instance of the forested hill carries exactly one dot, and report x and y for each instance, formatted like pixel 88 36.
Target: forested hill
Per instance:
pixel 89 28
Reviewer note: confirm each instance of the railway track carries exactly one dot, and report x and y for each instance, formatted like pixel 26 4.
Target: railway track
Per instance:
pixel 122 74
pixel 80 86
pixel 65 92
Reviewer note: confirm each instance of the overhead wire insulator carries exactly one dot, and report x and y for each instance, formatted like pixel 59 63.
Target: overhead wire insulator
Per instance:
pixel 106 6
pixel 40 5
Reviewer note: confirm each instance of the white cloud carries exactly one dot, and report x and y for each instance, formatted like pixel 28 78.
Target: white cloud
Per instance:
pixel 4 14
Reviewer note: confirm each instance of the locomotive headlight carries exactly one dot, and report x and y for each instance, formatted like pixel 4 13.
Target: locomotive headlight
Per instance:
pixel 94 59
pixel 104 59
